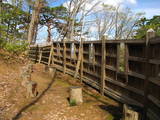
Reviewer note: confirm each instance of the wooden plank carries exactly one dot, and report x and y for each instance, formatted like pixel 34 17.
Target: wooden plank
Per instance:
pixel 132 89
pixel 152 115
pixel 134 74
pixel 32 55
pixel 69 64
pixel 57 61
pixel 120 97
pixel 44 62
pixel 96 64
pixel 91 73
pixel 111 55
pixel 45 51
pixel 139 59
pixel 91 82
pixel 154 100
pixel 155 81
pixel 44 57
pixel 154 61
pixel 111 68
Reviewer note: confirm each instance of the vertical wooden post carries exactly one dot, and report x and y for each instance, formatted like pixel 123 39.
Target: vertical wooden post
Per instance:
pixel 78 62
pixel 126 62
pixel 53 54
pixel 118 59
pixel 40 55
pixel 50 55
pixel 81 69
pixel 36 59
pixel 103 64
pixel 150 34
pixel 64 57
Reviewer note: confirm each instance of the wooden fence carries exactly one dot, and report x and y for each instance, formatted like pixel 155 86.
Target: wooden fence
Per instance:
pixel 133 78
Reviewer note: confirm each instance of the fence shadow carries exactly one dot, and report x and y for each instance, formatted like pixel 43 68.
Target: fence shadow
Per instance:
pixel 114 110
pixel 19 114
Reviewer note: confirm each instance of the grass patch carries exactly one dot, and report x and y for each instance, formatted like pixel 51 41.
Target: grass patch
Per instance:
pixel 110 117
pixel 34 107
pixel 61 83
pixel 72 103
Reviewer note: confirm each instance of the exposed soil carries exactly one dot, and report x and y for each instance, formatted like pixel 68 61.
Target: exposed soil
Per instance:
pixel 53 103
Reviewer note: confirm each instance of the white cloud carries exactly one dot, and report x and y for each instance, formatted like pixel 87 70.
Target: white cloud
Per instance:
pixel 132 1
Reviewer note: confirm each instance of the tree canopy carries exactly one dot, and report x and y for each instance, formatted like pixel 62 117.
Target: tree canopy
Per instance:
pixel 144 24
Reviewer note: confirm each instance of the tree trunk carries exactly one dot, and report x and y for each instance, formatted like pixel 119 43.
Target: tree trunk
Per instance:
pixel 49 32
pixel 76 95
pixel 34 20
pixel 35 35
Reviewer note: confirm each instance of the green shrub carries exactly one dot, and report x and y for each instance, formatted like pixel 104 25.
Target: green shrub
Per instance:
pixel 2 43
pixel 16 47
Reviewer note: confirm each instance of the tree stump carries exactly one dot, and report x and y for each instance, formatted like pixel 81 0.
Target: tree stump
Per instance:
pixel 129 113
pixel 76 95
pixel 52 72
pixel 46 68
pixel 31 86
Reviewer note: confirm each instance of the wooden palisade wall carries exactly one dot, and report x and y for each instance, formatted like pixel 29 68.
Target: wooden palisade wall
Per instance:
pixel 100 68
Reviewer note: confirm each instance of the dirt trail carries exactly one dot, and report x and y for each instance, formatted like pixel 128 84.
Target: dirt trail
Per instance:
pixel 53 105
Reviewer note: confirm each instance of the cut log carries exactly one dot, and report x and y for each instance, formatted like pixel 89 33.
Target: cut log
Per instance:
pixel 76 95
pixel 129 113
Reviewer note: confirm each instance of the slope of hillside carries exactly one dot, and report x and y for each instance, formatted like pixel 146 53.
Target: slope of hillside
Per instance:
pixel 53 105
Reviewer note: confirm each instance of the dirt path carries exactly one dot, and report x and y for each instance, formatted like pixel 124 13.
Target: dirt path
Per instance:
pixel 53 105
